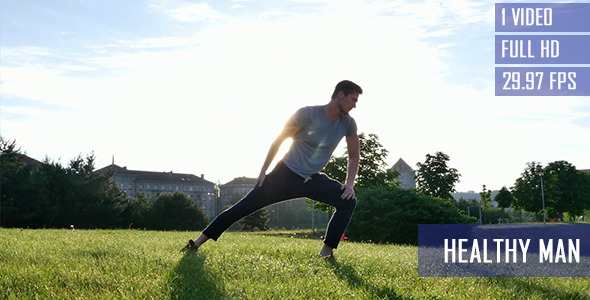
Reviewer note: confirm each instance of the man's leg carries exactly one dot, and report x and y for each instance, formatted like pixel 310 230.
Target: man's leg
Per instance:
pixel 326 190
pixel 248 205
pixel 279 185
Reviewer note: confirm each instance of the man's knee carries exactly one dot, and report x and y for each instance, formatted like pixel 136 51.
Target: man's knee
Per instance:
pixel 348 204
pixel 353 201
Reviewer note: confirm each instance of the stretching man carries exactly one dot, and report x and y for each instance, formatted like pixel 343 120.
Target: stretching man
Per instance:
pixel 316 132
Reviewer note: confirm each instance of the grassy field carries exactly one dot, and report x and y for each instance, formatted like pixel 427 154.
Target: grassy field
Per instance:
pixel 133 264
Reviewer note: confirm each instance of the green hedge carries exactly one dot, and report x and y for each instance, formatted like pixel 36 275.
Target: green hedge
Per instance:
pixel 392 215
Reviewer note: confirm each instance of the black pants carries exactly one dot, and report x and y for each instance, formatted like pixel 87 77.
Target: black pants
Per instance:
pixel 283 184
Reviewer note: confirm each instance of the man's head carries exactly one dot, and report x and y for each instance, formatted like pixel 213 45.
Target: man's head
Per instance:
pixel 346 95
pixel 347 87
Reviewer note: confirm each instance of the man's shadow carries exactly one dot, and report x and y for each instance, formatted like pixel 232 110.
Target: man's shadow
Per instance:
pixel 351 277
pixel 191 279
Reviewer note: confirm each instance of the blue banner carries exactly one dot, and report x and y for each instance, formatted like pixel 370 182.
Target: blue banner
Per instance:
pixel 542 81
pixel 542 17
pixel 536 250
pixel 543 49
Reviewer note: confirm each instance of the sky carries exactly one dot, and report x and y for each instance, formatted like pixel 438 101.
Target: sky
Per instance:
pixel 204 87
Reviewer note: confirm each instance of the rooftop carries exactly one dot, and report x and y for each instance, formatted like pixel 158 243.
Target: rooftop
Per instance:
pixel 155 176
pixel 242 181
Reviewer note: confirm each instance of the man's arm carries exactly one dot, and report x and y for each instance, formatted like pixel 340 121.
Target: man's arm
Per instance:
pixel 290 130
pixel 353 146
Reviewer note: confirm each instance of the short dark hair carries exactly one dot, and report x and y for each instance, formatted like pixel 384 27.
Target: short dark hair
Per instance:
pixel 347 87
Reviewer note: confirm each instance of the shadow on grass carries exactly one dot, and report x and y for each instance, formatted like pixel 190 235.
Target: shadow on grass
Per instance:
pixel 300 234
pixel 351 277
pixel 192 280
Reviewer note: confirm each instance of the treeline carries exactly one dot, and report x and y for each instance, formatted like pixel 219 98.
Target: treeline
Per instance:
pixel 48 195
pixel 563 190
pixel 38 195
pixel 386 213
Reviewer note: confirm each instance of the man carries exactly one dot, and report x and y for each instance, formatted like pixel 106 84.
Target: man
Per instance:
pixel 316 132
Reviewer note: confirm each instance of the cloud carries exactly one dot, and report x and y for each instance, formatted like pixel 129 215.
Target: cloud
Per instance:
pixel 217 94
pixel 196 12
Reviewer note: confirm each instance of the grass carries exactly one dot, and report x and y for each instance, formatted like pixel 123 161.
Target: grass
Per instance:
pixel 133 264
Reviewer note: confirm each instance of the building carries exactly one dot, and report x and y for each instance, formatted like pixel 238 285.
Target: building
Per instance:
pixel 234 190
pixel 152 184
pixel 29 161
pixel 406 174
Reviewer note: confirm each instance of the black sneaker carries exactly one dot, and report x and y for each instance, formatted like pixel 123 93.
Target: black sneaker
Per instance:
pixel 189 247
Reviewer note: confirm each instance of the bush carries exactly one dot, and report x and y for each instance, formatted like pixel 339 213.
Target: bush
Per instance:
pixel 492 214
pixel 392 215
pixel 177 212
pixel 256 221
pixel 137 214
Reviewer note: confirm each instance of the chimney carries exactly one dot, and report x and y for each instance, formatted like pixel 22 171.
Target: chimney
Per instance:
pixel 202 176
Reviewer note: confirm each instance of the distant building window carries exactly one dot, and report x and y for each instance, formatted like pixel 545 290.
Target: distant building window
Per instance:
pixel 190 188
pixel 177 188
pixel 141 186
pixel 147 186
pixel 169 187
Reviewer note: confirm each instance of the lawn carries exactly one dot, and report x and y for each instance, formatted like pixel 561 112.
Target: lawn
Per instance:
pixel 135 264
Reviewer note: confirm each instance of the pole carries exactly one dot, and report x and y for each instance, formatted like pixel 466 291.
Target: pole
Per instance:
pixel 543 198
pixel 279 215
pixel 480 219
pixel 312 216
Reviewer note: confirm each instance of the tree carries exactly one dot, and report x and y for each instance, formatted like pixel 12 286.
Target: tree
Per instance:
pixel 435 178
pixel 256 221
pixel 37 195
pixel 504 198
pixel 486 197
pixel 98 202
pixel 373 171
pixel 566 189
pixel 527 189
pixel 177 211
pixel 137 212
pixel 17 200
pixel 463 205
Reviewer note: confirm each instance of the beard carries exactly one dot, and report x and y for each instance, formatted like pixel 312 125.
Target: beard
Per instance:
pixel 341 108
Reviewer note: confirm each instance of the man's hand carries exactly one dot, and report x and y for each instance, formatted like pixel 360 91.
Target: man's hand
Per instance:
pixel 348 192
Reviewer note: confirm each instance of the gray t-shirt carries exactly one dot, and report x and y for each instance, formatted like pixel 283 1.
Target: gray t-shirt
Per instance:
pixel 317 140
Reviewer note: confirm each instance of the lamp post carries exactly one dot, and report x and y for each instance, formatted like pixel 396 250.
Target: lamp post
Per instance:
pixel 543 198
